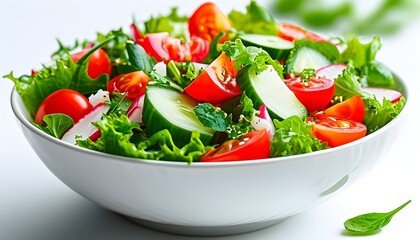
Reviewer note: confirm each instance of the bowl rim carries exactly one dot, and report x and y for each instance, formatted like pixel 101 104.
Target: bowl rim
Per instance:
pixel 18 112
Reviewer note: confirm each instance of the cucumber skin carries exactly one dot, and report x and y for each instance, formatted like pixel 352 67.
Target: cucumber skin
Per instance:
pixel 155 122
pixel 275 53
pixel 243 80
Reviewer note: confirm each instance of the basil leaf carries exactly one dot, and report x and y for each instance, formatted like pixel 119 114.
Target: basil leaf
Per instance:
pixel 56 124
pixel 367 223
pixel 138 57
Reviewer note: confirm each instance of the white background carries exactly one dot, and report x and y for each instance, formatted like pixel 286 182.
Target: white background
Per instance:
pixel 35 205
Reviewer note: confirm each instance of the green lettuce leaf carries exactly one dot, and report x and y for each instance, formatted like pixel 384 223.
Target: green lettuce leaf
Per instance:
pixel 121 137
pixel 293 136
pixel 56 124
pixel 173 23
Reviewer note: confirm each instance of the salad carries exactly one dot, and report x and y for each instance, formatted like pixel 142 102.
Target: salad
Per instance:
pixel 211 87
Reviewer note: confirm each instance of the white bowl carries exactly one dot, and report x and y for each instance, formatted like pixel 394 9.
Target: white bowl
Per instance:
pixel 208 198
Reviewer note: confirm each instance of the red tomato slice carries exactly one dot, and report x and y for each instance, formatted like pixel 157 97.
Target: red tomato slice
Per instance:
pixel 353 109
pixel 216 83
pixel 208 21
pixel 336 131
pixel 253 145
pixel 133 83
pixel 314 94
pixel 99 62
pixel 165 48
pixel 65 101
pixel 292 32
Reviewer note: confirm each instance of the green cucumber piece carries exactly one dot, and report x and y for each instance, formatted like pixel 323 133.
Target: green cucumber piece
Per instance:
pixel 165 108
pixel 306 57
pixel 268 88
pixel 276 47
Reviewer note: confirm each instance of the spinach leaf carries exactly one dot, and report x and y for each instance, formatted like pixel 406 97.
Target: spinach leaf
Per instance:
pixel 211 116
pixel 367 223
pixel 56 124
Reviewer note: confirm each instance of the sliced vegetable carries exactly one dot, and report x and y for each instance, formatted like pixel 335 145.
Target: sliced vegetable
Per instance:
pixel 380 93
pixel 291 32
pixel 99 62
pixel 277 47
pixel 134 84
pixel 216 83
pixel 208 21
pixel 168 109
pixel 331 71
pixel 336 131
pixel 253 145
pixel 352 108
pixel 314 92
pixel 83 128
pixel 65 101
pixel 268 88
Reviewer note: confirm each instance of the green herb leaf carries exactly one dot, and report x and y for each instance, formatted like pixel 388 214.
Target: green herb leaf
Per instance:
pixel 367 223
pixel 182 73
pixel 211 116
pixel 56 124
pixel 138 57
pixel 157 79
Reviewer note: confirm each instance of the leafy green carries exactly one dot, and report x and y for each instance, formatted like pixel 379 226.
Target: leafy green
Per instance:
pixel 293 136
pixel 163 81
pixel 56 124
pixel 255 57
pixel 378 75
pixel 217 119
pixel 377 112
pixel 174 24
pixel 370 222
pixel 116 48
pixel 182 73
pixel 256 19
pixel 138 60
pixel 119 137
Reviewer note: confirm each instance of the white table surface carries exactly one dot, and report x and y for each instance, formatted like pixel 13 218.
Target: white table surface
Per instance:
pixel 35 205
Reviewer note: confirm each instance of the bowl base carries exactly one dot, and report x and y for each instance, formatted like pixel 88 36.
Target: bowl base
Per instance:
pixel 205 231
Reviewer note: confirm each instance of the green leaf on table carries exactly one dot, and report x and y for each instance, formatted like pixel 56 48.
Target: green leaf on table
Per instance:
pixel 370 222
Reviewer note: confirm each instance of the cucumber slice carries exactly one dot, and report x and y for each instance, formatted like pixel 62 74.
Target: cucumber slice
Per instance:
pixel 276 47
pixel 306 57
pixel 267 87
pixel 169 109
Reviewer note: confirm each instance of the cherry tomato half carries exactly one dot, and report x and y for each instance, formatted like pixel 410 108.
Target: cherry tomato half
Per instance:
pixel 253 145
pixel 99 62
pixel 216 83
pixel 315 94
pixel 353 109
pixel 165 48
pixel 336 131
pixel 65 101
pixel 133 83
pixel 292 32
pixel 208 21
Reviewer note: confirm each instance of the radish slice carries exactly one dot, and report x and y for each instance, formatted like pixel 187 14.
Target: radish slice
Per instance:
pixel 84 127
pixel 331 71
pixel 381 93
pixel 263 120
pixel 135 111
pixel 99 97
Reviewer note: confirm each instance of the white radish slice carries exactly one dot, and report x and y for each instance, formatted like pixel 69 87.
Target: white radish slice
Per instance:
pixel 331 71
pixel 263 121
pixel 135 111
pixel 381 93
pixel 84 128
pixel 100 96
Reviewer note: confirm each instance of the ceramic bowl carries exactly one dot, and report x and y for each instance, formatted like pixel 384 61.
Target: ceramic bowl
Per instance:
pixel 208 198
